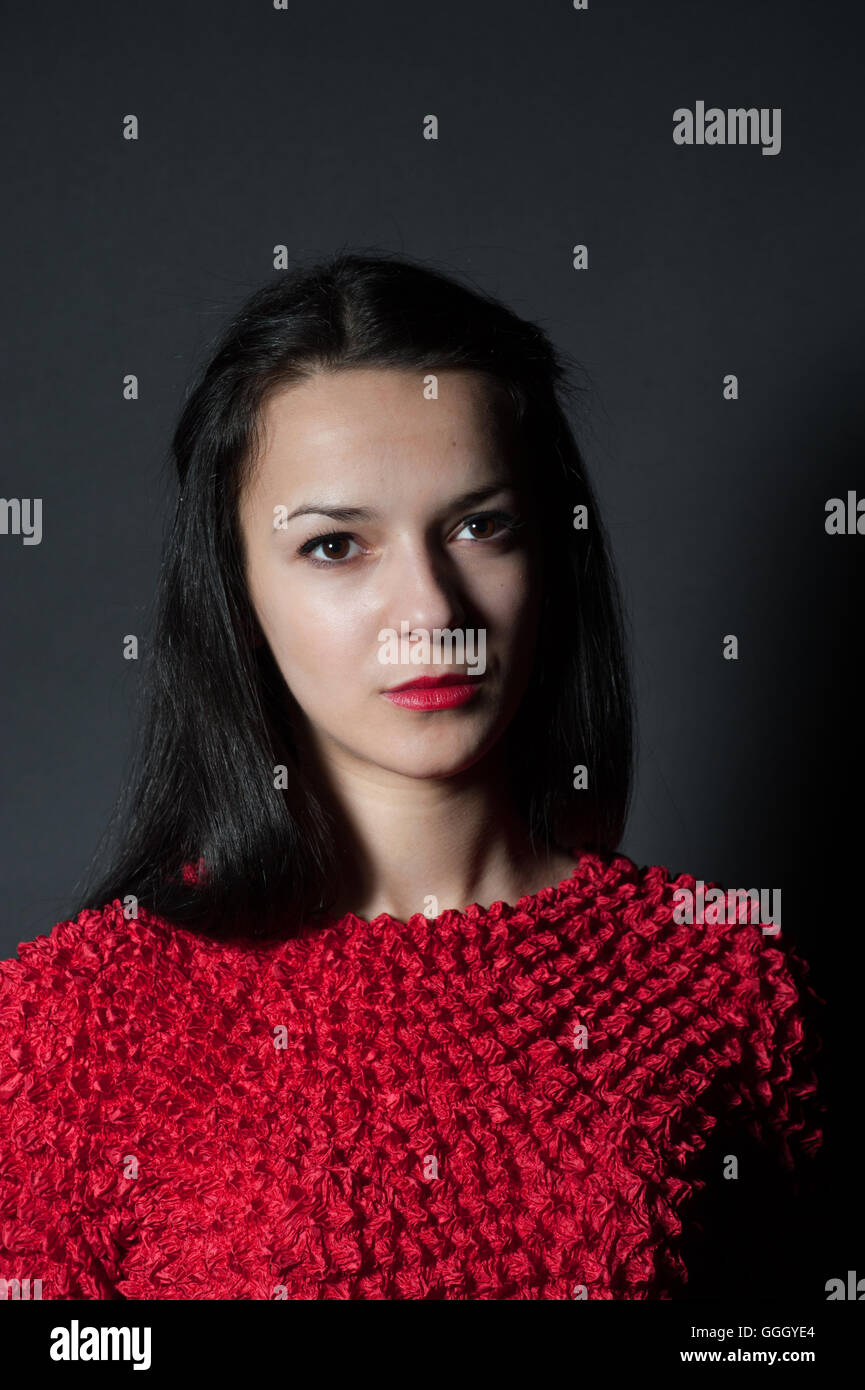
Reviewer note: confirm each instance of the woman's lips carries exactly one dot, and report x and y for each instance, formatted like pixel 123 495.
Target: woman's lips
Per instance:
pixel 433 692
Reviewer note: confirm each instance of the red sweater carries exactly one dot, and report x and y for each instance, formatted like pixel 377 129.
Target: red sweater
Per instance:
pixel 386 1110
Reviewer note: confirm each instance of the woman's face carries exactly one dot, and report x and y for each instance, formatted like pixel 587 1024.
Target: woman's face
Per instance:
pixel 373 509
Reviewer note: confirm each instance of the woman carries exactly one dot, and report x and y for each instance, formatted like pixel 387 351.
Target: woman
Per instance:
pixel 367 1005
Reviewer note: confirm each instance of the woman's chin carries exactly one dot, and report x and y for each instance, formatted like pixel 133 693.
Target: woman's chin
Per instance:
pixel 444 758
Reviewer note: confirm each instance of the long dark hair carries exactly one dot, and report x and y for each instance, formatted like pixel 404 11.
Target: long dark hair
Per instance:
pixel 216 716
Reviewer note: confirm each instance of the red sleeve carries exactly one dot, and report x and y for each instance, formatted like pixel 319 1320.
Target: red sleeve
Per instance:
pixel 43 1140
pixel 775 1087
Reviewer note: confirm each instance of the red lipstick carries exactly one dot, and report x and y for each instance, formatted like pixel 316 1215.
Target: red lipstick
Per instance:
pixel 433 692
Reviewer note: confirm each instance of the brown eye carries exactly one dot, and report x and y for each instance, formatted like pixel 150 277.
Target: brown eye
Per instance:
pixel 334 549
pixel 491 526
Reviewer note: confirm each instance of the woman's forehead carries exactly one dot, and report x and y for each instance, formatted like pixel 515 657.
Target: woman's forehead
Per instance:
pixel 380 426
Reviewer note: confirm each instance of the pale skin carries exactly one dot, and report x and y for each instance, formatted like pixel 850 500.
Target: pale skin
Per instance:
pixel 422 797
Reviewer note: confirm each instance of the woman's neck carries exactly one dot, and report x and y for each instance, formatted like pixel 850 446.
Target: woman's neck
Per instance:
pixel 410 845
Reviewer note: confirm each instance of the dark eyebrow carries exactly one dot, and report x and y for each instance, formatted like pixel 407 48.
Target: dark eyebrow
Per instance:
pixel 338 513
pixel 466 499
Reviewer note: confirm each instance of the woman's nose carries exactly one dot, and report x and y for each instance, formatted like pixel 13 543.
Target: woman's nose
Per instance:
pixel 425 590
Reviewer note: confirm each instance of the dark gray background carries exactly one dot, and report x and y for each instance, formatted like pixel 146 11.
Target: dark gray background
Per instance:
pixel 260 127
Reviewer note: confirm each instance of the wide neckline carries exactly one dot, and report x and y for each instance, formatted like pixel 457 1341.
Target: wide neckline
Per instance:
pixel 584 861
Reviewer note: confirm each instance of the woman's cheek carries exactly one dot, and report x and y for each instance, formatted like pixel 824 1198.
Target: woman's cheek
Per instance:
pixel 318 638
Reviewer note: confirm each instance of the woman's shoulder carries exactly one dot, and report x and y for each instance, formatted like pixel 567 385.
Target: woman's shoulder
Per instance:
pixel 82 963
pixel 675 912
pixel 724 946
pixel 94 933
pixel 692 970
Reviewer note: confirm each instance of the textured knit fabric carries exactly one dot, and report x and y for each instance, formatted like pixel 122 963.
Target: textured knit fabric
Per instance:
pixel 502 1102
